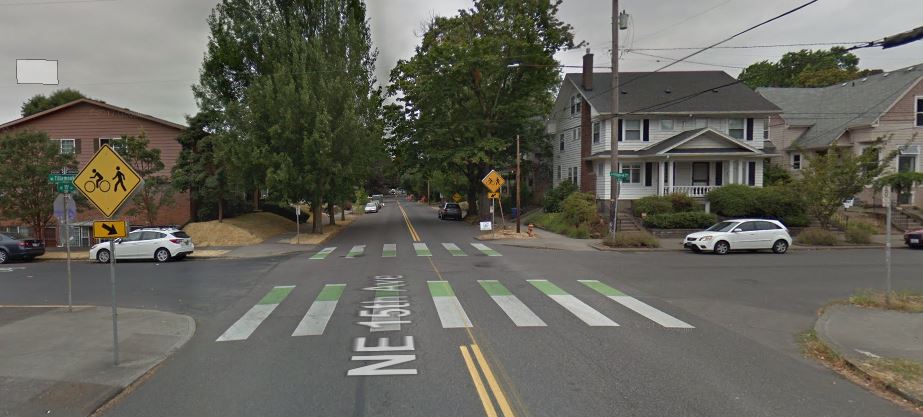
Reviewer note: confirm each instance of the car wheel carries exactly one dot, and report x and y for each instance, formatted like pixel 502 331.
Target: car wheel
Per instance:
pixel 722 248
pixel 162 255
pixel 103 256
pixel 4 257
pixel 780 246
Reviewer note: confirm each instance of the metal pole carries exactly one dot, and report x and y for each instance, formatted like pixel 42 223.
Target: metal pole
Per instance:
pixel 614 125
pixel 518 188
pixel 67 245
pixel 115 314
pixel 888 253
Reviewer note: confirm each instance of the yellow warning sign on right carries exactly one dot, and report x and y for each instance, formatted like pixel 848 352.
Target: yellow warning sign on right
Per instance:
pixel 107 181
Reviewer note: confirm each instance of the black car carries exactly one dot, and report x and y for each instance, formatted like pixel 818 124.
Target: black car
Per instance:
pixel 13 246
pixel 450 211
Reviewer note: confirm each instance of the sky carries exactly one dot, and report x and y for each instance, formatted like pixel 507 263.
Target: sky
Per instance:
pixel 145 54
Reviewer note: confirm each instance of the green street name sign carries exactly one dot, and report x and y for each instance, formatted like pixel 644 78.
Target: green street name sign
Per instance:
pixel 61 178
pixel 65 187
pixel 621 176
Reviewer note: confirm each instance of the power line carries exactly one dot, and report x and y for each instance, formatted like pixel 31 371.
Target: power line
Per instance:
pixel 648 35
pixel 43 3
pixel 779 45
pixel 688 61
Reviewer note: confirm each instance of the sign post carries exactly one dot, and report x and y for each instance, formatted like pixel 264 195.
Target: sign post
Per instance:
pixel 64 214
pixel 886 201
pixel 493 181
pixel 108 182
pixel 297 224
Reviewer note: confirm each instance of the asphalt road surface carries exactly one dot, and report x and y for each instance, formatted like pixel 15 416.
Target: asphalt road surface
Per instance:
pixel 407 316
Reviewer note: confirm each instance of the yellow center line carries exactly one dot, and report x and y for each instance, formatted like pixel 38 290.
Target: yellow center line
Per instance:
pixel 413 232
pixel 478 385
pixel 492 382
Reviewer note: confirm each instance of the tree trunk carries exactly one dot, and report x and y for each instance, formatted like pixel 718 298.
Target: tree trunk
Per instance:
pixel 343 212
pixel 220 210
pixel 256 199
pixel 331 208
pixel 317 225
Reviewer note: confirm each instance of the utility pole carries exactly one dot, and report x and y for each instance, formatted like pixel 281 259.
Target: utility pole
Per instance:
pixel 518 188
pixel 614 125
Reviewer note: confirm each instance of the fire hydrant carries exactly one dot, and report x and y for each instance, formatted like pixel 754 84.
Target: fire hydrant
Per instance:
pixel 531 234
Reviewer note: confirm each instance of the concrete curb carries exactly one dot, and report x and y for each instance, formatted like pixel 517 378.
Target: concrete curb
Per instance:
pixel 855 368
pixel 838 247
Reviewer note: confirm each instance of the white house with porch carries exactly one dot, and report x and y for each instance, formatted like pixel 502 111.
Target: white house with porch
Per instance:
pixel 686 132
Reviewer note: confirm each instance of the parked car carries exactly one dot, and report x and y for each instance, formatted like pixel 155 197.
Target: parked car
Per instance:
pixel 450 211
pixel 162 245
pixel 371 207
pixel 914 238
pixel 14 246
pixel 740 234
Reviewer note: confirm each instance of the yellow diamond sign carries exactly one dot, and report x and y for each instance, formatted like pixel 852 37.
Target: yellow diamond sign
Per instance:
pixel 493 181
pixel 107 181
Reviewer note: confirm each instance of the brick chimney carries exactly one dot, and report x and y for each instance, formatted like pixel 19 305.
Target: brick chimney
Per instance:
pixel 588 70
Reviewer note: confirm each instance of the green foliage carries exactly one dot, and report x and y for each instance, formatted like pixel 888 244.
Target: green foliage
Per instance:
pixel 203 168
pixel 579 208
pixel 776 202
pixel 682 202
pixel 860 232
pixel 901 182
pixel 805 68
pixel 775 174
pixel 555 223
pixel 157 191
pixel 733 200
pixel 796 220
pixel 817 237
pixel 39 102
pixel 632 240
pixel 555 196
pixel 837 174
pixel 686 220
pixel 26 159
pixel 458 102
pixel 651 205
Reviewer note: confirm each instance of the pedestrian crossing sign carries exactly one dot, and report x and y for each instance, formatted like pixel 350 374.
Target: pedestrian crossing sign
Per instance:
pixel 493 181
pixel 107 181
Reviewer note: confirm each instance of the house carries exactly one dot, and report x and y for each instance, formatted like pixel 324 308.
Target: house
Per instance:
pixel 853 115
pixel 82 126
pixel 678 132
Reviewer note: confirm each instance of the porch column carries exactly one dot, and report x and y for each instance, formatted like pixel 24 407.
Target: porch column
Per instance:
pixel 661 167
pixel 670 177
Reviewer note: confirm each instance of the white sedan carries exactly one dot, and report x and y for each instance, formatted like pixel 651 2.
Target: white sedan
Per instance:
pixel 161 245
pixel 740 234
pixel 371 207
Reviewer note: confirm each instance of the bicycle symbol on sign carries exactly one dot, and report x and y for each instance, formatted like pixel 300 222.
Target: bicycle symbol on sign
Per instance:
pixel 100 183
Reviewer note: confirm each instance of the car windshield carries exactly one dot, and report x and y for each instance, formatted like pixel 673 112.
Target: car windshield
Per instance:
pixel 452 206
pixel 13 236
pixel 370 205
pixel 721 227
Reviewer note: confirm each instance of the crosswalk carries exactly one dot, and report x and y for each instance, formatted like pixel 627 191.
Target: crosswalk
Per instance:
pixel 450 308
pixel 390 250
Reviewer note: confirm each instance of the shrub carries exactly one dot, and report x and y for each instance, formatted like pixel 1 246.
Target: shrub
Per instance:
pixel 817 236
pixel 553 198
pixel 777 202
pixel 632 240
pixel 860 232
pixel 687 220
pixel 796 220
pixel 732 200
pixel 579 208
pixel 775 174
pixel 555 223
pixel 682 202
pixel 653 204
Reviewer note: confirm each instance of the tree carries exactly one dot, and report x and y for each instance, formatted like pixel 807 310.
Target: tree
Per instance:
pixel 459 104
pixel 805 68
pixel 775 174
pixel 157 190
pixel 26 159
pixel 201 168
pixel 838 173
pixel 39 103
pixel 901 182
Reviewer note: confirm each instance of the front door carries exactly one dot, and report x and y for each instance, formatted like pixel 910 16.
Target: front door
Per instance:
pixel 700 173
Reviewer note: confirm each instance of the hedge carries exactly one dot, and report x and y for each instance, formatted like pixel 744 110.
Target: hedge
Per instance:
pixel 632 240
pixel 687 220
pixel 673 203
pixel 860 232
pixel 776 202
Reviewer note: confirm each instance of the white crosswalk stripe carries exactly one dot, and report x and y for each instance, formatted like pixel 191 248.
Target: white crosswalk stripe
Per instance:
pixel 247 324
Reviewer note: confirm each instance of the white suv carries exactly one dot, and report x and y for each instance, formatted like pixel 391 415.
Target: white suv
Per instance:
pixel 752 234
pixel 161 245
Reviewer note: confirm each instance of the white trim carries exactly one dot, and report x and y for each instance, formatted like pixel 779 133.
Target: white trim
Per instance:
pixel 61 146
pixel 707 129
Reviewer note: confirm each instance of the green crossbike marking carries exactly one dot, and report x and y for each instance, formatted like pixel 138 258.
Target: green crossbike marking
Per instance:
pixel 389 250
pixel 494 287
pixel 356 251
pixel 276 295
pixel 454 249
pixel 422 249
pixel 600 287
pixel 323 253
pixel 485 249
pixel 547 287
pixel 331 292
pixel 440 289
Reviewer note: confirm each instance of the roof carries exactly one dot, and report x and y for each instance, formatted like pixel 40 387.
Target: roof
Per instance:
pixel 646 92
pixel 670 145
pixel 830 111
pixel 97 103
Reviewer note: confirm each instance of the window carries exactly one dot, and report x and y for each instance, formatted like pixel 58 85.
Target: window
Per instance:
pixel 700 173
pixel 634 172
pixel 766 129
pixel 68 146
pixel 906 163
pixel 600 169
pixel 919 111
pixel 575 134
pixel 767 226
pixel 632 129
pixel 666 124
pixel 736 128
pixel 559 173
pixel 575 176
pixel 561 145
pixel 152 235
pixel 796 161
pixel 699 123
pixel 114 143
pixel 570 174
pixel 747 227
pixel 596 132
pixel 574 105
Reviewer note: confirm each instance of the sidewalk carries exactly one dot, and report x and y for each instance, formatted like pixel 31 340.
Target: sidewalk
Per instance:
pixel 60 363
pixel 546 240
pixel 863 335
pixel 274 246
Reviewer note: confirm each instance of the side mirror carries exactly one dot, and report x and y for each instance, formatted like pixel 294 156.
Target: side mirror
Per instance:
pixel 738 230
pixel 119 240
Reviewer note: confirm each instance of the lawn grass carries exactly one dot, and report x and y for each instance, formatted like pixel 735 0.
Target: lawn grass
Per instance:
pixel 553 222
pixel 906 301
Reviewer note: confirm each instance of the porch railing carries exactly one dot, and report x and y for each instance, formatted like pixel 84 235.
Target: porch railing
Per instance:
pixel 690 190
